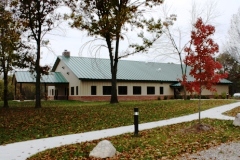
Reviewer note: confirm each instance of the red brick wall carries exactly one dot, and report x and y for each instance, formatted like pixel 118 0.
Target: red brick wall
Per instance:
pixel 50 97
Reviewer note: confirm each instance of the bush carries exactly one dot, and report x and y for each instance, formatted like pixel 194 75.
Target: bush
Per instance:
pixel 195 96
pixel 205 97
pixel 216 96
pixel 224 95
pixel 165 97
pixel 180 97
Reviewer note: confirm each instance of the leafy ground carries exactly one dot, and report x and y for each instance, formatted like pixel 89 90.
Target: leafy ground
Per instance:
pixel 233 112
pixel 167 142
pixel 23 122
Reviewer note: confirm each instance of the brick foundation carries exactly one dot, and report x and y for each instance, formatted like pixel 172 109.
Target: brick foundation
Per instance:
pixel 120 98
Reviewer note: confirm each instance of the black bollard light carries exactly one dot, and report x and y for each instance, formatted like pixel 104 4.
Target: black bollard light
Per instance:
pixel 136 121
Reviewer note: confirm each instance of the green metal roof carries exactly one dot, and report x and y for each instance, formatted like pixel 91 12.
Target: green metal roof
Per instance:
pixel 176 85
pixel 225 81
pixel 96 68
pixel 99 69
pixel 222 81
pixel 28 77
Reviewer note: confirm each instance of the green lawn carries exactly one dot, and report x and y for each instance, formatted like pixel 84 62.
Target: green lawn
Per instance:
pixel 23 122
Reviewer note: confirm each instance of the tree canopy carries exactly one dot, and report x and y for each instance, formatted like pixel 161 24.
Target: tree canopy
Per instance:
pixel 13 53
pixel 232 67
pixel 38 18
pixel 204 68
pixel 110 19
pixel 200 58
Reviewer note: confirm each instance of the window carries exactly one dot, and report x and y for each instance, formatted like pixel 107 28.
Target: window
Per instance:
pixel 150 90
pixel 52 91
pixel 93 90
pixel 137 90
pixel 122 90
pixel 161 90
pixel 107 90
pixel 76 90
pixel 72 90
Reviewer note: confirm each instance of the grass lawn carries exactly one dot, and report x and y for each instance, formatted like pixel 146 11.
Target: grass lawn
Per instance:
pixel 23 122
pixel 167 142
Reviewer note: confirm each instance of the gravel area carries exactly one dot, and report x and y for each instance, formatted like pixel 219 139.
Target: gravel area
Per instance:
pixel 228 151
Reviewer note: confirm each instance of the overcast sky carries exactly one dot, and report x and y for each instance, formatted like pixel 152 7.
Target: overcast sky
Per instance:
pixel 72 39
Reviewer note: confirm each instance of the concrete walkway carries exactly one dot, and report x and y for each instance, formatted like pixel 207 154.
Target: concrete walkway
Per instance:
pixel 23 150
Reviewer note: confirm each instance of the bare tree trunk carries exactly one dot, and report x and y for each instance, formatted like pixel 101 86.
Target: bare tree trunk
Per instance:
pixel 114 98
pixel 4 70
pixel 199 103
pixel 5 90
pixel 199 109
pixel 184 93
pixel 114 65
pixel 38 75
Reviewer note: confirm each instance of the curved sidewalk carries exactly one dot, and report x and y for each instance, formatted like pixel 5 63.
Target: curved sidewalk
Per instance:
pixel 23 150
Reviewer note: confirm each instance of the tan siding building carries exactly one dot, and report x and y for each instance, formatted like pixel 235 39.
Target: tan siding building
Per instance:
pixel 90 80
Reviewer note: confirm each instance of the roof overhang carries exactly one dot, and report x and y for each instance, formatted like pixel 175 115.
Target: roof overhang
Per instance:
pixel 176 85
pixel 51 79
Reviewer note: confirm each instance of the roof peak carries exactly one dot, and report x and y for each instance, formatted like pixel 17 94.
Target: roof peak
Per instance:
pixel 99 58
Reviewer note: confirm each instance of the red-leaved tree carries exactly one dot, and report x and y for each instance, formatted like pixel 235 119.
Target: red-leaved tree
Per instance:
pixel 200 58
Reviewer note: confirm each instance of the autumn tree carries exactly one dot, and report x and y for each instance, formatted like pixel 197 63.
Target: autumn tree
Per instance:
pixel 110 20
pixel 38 17
pixel 200 59
pixel 232 67
pixel 173 41
pixel 13 52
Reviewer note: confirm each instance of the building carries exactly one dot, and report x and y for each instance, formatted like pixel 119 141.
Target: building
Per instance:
pixel 89 79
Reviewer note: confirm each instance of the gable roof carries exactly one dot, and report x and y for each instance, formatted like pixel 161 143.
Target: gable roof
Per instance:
pixel 99 69
pixel 28 77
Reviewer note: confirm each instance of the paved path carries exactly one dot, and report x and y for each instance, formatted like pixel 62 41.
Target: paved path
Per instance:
pixel 23 150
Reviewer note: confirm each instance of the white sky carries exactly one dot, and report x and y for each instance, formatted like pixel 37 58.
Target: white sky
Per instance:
pixel 72 39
